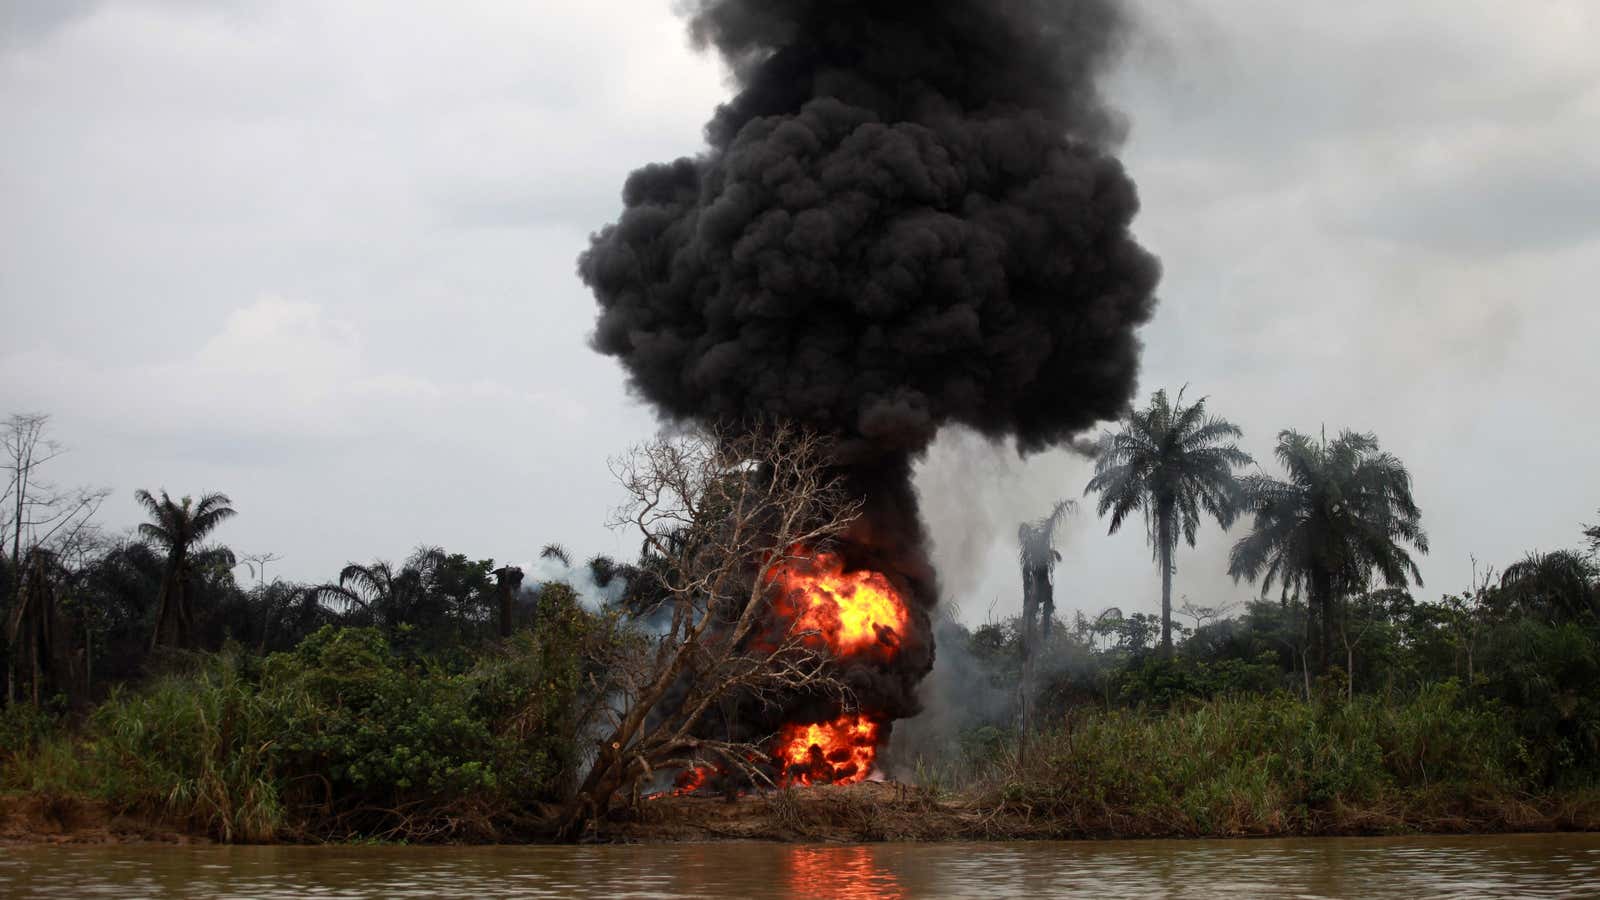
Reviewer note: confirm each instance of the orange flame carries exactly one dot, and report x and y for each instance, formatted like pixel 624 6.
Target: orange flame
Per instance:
pixel 689 781
pixel 841 751
pixel 852 612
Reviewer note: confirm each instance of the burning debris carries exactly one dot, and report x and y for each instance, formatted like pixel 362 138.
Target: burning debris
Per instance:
pixel 838 752
pixel 909 215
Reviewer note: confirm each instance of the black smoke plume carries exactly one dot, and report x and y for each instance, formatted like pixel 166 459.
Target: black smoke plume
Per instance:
pixel 908 215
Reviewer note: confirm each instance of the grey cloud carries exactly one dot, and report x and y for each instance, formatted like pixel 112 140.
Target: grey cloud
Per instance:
pixel 1537 205
pixel 23 22
pixel 1350 200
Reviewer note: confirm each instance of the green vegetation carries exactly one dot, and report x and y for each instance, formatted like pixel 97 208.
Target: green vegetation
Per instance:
pixel 176 529
pixel 341 737
pixel 1172 463
pixel 1479 711
pixel 1278 765
pixel 441 698
pixel 1342 515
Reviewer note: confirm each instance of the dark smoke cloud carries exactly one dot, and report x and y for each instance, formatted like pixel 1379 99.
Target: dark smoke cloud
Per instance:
pixel 909 215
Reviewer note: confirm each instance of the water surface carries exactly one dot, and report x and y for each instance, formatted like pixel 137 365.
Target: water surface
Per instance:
pixel 1563 865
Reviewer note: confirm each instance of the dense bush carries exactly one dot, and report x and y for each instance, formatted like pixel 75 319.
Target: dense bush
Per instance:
pixel 1261 764
pixel 340 737
pixel 1163 682
pixel 1546 677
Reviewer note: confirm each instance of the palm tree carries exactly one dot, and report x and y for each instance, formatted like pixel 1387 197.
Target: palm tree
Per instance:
pixel 1036 551
pixel 1559 586
pixel 177 528
pixel 1343 514
pixel 389 595
pixel 1171 462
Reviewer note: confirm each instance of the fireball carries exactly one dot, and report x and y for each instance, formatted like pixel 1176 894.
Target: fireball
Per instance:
pixel 852 613
pixel 839 752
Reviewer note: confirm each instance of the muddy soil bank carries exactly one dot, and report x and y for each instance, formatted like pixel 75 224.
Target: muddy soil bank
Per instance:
pixel 48 819
pixel 886 811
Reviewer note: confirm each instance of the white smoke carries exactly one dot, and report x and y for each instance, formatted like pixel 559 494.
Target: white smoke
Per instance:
pixel 545 570
pixel 974 492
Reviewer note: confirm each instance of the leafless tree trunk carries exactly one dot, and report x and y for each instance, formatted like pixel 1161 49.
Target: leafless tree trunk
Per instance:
pixel 1038 556
pixel 1029 638
pixel 34 629
pixel 719 511
pixel 38 515
pixel 508 580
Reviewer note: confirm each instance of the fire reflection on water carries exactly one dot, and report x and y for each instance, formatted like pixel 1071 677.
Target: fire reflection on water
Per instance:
pixel 1532 865
pixel 844 873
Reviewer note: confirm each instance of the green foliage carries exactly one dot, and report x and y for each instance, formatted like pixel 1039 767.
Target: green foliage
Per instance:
pixel 1546 675
pixel 23 727
pixel 1344 512
pixel 1174 464
pixel 197 748
pixel 341 737
pixel 1162 683
pixel 1258 764
pixel 375 728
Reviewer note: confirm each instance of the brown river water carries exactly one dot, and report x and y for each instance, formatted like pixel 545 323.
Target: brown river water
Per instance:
pixel 1550 865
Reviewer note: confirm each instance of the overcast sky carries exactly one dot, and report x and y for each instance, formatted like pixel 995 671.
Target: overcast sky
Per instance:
pixel 321 256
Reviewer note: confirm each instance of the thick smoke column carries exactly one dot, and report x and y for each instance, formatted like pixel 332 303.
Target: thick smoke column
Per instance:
pixel 908 215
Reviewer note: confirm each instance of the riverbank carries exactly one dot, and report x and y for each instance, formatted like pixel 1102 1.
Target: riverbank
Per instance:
pixel 53 819
pixel 887 811
pixel 211 757
pixel 872 812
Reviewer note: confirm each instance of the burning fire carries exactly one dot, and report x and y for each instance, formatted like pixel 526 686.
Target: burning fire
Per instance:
pixel 689 781
pixel 852 612
pixel 839 752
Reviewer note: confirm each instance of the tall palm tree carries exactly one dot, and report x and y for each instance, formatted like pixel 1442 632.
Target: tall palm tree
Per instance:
pixel 1171 462
pixel 177 529
pixel 1344 512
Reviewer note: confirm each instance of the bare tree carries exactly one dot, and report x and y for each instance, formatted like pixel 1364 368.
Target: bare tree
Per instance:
pixel 35 515
pixel 718 511
pixel 257 564
pixel 1202 615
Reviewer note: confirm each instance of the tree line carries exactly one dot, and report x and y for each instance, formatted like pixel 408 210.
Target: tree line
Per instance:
pixel 1341 519
pixel 84 609
pixel 421 691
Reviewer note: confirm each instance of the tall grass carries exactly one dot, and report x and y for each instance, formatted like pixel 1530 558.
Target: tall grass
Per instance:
pixel 195 750
pixel 1259 765
pixel 190 749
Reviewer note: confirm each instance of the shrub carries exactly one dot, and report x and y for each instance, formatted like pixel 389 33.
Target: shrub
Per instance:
pixel 197 748
pixel 341 737
pixel 1256 764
